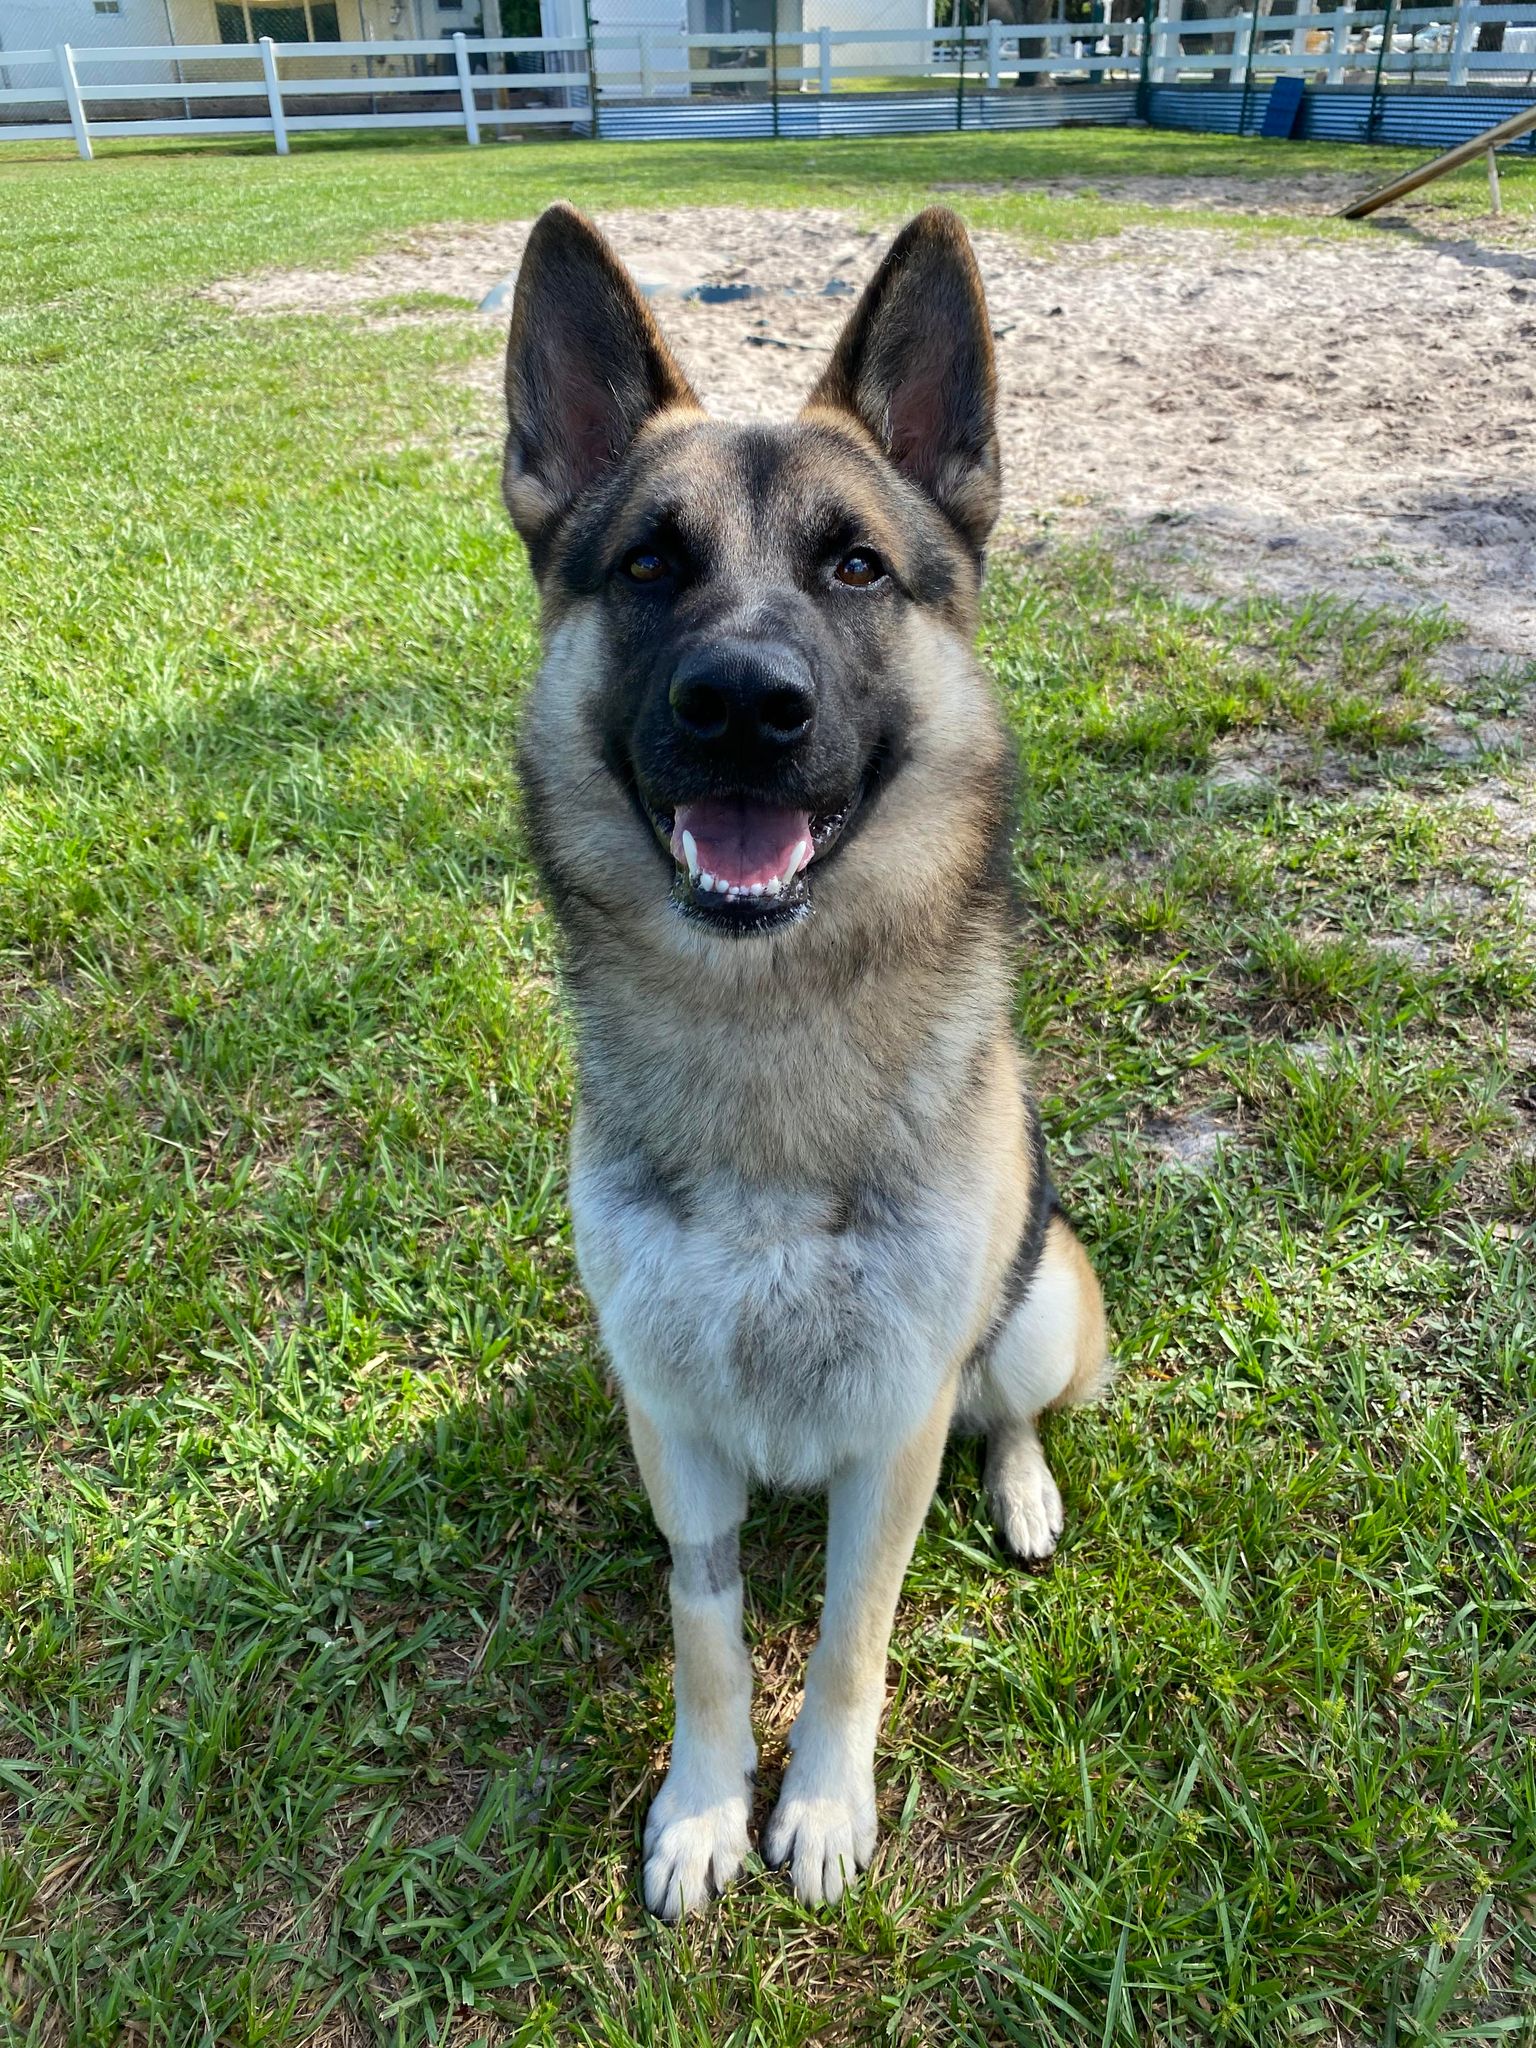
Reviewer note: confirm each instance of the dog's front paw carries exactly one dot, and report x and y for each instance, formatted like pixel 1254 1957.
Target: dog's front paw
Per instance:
pixel 824 1832
pixel 695 1843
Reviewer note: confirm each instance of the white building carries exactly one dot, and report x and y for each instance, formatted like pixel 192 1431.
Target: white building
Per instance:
pixel 641 53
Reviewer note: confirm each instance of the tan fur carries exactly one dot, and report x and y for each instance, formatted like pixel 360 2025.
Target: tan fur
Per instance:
pixel 1092 1369
pixel 825 1823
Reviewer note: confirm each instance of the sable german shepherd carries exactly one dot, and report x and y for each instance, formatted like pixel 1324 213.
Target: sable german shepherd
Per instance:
pixel 769 792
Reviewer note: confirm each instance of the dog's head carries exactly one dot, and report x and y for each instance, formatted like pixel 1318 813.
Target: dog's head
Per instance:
pixel 758 700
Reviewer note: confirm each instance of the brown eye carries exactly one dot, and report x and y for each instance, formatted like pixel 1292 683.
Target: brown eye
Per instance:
pixel 644 565
pixel 860 568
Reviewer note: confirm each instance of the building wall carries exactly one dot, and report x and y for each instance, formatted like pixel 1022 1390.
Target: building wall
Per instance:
pixel 164 24
pixel 870 14
pixel 362 21
pixel 43 24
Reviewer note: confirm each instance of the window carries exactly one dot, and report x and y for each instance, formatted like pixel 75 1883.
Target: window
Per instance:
pixel 314 22
pixel 109 6
pixel 282 24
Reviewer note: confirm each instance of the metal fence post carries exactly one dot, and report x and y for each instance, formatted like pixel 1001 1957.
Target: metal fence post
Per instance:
pixel 994 53
pixel 1144 77
pixel 597 130
pixel 274 95
pixel 1373 119
pixel 824 37
pixel 64 57
pixel 1250 38
pixel 466 87
pixel 960 82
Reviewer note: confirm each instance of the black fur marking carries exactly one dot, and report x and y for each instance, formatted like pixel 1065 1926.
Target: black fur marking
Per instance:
pixel 701 1570
pixel 754 919
pixel 669 1192
pixel 1044 1204
pixel 761 453
pixel 872 1208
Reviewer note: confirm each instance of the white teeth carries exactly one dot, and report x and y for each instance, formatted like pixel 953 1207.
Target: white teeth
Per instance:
pixel 740 892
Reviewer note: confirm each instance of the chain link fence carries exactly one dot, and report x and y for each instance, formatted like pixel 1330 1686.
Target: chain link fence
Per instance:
pixel 809 67
pixel 1330 71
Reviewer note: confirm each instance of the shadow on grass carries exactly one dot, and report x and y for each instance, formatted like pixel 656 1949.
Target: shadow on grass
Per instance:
pixel 375 1751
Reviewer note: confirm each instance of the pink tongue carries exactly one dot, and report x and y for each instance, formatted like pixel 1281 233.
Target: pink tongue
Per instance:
pixel 740 844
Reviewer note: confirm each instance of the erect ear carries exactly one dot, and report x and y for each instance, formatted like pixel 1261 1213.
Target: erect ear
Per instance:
pixel 586 368
pixel 914 365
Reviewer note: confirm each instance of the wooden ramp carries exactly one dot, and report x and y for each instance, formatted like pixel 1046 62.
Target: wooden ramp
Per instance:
pixel 1480 145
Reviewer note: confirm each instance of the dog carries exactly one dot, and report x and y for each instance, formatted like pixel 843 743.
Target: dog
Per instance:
pixel 769 792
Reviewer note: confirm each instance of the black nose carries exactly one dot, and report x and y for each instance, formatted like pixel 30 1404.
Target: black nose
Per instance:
pixel 752 696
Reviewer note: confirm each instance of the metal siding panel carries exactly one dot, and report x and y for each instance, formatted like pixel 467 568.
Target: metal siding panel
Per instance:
pixel 910 113
pixel 1441 120
pixel 808 116
pixel 684 121
pixel 1336 115
pixel 1206 109
pixel 1111 105
pixel 1407 119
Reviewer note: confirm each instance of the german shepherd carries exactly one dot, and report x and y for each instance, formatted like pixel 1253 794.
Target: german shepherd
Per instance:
pixel 769 792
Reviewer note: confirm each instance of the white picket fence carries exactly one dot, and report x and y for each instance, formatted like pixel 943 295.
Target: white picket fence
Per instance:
pixel 1418 45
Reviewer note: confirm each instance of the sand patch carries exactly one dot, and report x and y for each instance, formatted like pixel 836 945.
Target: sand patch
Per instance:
pixel 1352 415
pixel 1192 1143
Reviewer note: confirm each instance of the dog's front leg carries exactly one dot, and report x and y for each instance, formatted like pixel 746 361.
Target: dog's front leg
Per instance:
pixel 696 1831
pixel 824 1824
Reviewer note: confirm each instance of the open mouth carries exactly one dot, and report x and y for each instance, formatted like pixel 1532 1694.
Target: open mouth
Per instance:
pixel 745 865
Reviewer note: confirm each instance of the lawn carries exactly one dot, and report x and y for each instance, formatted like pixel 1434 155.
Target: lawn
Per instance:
pixel 333 1644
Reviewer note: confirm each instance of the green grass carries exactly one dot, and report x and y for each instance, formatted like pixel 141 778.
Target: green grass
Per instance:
pixel 333 1654
pixel 145 217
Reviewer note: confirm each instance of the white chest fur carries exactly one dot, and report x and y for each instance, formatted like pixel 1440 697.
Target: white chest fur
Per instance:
pixel 746 1316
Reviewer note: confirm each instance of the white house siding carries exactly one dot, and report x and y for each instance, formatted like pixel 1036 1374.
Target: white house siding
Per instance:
pixel 42 24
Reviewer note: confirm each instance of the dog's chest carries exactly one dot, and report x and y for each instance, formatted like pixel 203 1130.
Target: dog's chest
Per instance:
pixel 759 1318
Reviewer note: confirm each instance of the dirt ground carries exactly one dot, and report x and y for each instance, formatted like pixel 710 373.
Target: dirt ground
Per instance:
pixel 1301 414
